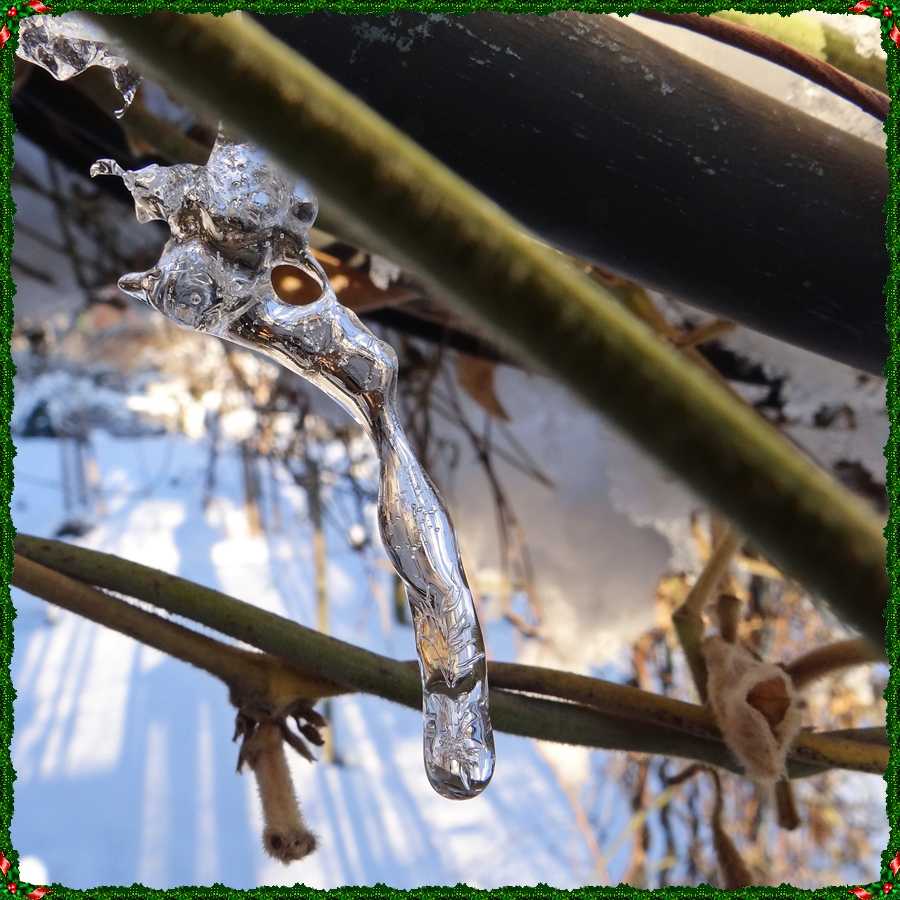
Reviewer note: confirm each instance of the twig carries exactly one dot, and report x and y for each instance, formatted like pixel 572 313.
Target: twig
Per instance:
pixel 688 618
pixel 829 44
pixel 867 98
pixel 255 677
pixel 825 660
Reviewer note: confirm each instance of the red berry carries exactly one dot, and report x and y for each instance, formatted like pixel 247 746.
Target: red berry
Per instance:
pixel 13 12
pixel 888 11
pixel 12 888
pixel 887 887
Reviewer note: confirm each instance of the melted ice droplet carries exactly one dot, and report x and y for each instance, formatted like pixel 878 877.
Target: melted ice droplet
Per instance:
pixel 67 45
pixel 232 221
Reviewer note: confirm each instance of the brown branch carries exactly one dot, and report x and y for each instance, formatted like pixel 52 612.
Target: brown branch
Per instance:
pixel 830 658
pixel 867 98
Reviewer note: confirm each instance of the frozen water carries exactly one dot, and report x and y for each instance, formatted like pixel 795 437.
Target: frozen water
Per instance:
pixel 232 221
pixel 67 45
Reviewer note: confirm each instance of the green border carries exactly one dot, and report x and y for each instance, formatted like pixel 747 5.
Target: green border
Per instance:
pixel 7 453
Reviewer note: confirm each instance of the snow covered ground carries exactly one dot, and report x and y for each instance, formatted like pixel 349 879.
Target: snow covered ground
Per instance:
pixel 125 766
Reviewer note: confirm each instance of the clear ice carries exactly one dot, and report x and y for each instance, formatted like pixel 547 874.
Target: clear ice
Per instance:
pixel 232 221
pixel 67 45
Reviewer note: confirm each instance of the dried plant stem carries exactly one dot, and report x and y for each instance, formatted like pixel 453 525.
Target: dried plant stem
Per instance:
pixel 732 867
pixel 320 555
pixel 786 806
pixel 638 302
pixel 830 658
pixel 688 618
pixel 595 712
pixel 708 332
pixel 728 608
pixel 399 201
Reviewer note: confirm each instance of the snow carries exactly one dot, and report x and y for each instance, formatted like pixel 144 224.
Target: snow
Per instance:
pixel 124 757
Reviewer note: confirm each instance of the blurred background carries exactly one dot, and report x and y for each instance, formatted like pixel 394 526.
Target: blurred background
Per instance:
pixel 188 454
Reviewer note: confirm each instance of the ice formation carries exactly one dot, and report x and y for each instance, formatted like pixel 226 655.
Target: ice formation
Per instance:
pixel 232 221
pixel 67 45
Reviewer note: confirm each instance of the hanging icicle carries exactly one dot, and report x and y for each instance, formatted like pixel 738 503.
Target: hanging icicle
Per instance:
pixel 67 45
pixel 232 221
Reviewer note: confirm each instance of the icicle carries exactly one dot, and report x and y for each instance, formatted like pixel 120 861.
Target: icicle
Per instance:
pixel 232 222
pixel 67 45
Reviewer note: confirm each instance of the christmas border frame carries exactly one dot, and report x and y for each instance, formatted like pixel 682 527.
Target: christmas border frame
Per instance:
pixel 10 16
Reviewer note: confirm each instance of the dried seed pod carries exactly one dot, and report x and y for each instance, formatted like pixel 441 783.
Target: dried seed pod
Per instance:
pixel 756 707
pixel 285 836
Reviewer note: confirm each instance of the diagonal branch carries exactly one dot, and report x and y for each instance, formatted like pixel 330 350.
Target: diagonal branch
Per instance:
pixel 400 201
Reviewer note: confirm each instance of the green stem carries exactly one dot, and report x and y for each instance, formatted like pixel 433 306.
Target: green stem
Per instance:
pixel 597 713
pixel 395 198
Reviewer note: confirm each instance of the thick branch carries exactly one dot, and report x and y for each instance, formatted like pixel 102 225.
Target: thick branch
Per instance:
pixel 599 714
pixel 398 200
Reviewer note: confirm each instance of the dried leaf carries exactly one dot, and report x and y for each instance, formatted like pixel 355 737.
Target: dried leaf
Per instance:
pixel 477 379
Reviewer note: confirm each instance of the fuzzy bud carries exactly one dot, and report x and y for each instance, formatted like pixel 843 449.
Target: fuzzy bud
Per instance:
pixel 755 705
pixel 285 836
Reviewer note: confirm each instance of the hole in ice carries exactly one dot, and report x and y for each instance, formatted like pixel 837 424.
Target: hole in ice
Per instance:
pixel 294 286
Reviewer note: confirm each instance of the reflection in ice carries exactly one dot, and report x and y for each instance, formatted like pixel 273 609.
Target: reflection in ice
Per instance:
pixel 232 222
pixel 67 45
